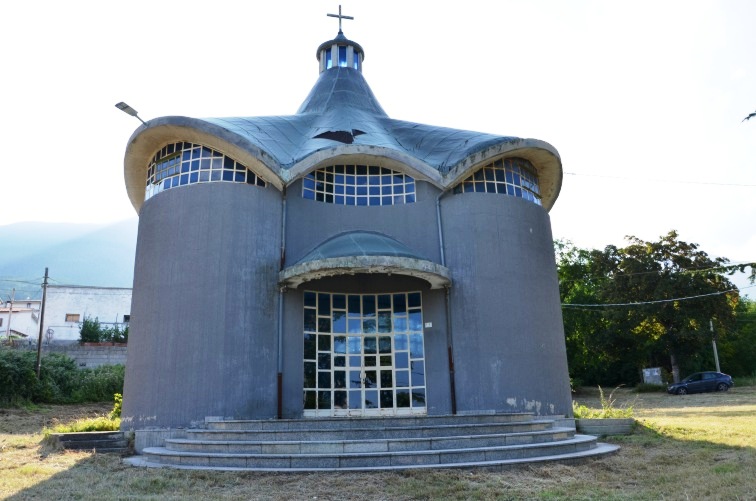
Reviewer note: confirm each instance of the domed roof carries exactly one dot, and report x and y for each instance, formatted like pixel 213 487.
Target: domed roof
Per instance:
pixel 340 117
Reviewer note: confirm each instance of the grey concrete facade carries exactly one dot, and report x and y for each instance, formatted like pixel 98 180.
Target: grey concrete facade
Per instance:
pixel 203 333
pixel 215 329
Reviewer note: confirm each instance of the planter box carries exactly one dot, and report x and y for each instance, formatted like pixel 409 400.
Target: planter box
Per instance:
pixel 605 426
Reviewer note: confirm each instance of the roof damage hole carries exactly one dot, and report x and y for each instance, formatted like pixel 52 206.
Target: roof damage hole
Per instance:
pixel 342 136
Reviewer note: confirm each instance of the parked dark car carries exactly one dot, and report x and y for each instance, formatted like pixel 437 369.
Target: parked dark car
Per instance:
pixel 700 382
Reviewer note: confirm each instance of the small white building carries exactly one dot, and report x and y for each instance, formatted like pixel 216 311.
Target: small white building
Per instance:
pixel 68 305
pixel 19 320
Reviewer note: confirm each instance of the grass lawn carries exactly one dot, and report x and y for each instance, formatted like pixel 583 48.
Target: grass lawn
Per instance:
pixel 686 447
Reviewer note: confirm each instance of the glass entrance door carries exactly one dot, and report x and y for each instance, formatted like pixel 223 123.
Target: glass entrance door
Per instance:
pixel 363 354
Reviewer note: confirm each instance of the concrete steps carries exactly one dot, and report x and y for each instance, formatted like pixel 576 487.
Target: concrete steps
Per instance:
pixel 372 443
pixel 100 441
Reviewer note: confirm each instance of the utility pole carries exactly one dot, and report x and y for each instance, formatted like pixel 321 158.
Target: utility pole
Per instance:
pixel 714 344
pixel 41 324
pixel 10 313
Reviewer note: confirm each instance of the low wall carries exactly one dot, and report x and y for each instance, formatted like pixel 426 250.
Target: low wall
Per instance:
pixel 86 356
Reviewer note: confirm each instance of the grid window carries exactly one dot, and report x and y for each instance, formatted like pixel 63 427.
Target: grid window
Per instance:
pixel 361 185
pixel 182 163
pixel 72 317
pixel 363 352
pixel 510 176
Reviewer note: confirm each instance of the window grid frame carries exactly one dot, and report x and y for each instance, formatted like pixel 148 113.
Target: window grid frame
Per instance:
pixel 323 326
pixel 508 176
pixel 359 186
pixel 183 163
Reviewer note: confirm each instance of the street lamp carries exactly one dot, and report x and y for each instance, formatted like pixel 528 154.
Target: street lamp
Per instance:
pixel 129 110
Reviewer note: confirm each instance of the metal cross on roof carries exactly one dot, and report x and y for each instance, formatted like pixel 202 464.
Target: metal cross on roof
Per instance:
pixel 340 17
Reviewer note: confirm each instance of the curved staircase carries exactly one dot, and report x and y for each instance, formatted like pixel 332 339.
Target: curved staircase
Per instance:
pixel 372 443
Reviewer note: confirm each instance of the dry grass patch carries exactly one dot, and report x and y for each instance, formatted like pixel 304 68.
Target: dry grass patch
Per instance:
pixel 690 447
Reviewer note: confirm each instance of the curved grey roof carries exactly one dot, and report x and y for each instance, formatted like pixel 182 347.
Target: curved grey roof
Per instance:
pixel 359 243
pixel 363 252
pixel 340 118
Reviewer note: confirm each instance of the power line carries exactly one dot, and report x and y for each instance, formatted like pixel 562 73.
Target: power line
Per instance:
pixel 658 301
pixel 673 181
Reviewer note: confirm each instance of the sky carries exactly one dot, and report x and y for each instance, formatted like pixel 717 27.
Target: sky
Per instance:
pixel 644 100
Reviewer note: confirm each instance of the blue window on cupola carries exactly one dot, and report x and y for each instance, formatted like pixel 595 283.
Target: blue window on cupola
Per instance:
pixel 342 56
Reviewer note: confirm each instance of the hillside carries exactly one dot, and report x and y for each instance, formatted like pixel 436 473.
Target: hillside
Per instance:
pixel 76 254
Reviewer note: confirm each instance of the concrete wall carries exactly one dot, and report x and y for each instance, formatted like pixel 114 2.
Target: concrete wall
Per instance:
pixel 89 357
pixel 107 304
pixel 508 333
pixel 202 338
pixel 310 223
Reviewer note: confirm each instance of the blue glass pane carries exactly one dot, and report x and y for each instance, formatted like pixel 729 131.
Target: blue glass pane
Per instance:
pixel 418 398
pixel 402 379
pixel 415 320
pixel 338 324
pixel 339 344
pixel 354 326
pixel 400 341
pixel 371 345
pixel 416 345
pixel 354 344
pixel 368 326
pixel 401 360
pixel 384 321
pixel 400 324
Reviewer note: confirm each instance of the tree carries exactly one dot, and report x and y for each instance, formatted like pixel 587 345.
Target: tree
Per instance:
pixel 660 273
pixel 645 319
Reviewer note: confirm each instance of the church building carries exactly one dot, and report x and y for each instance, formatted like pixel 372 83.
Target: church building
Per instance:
pixel 340 263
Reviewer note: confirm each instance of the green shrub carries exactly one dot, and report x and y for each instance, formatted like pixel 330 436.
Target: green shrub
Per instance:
pixel 608 410
pixel 101 423
pixel 90 331
pixel 116 412
pixel 18 378
pixel 61 381
pixel 99 384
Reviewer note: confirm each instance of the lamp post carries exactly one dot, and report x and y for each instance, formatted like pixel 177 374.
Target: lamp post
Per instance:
pixel 129 111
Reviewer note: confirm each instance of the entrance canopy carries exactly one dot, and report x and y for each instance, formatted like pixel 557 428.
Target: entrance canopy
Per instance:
pixel 363 252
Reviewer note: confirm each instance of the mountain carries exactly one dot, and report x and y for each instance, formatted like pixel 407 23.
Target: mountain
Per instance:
pixel 76 254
